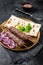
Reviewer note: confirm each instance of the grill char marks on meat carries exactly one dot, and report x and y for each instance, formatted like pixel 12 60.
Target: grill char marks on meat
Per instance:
pixel 20 34
pixel 16 39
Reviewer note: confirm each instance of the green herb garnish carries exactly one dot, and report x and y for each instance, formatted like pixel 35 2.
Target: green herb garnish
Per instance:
pixel 25 29
pixel 28 28
pixel 21 28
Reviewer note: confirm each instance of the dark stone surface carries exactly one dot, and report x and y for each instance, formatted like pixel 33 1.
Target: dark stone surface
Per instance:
pixel 7 57
pixel 4 57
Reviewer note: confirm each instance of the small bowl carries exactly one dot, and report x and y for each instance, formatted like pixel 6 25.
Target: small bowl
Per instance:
pixel 27 7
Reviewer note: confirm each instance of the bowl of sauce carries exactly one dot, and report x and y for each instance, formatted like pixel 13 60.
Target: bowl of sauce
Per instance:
pixel 27 7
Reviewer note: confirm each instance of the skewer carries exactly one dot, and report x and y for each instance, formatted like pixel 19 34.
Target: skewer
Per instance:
pixel 26 46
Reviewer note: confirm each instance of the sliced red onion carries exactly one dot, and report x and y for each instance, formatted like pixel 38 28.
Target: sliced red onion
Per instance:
pixel 2 35
pixel 5 39
pixel 12 44
pixel 9 42
pixel 5 43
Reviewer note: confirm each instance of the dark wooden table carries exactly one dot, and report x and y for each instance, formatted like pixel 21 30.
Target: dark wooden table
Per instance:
pixel 7 57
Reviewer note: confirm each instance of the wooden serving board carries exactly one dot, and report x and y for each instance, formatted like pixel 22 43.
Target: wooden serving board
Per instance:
pixel 26 46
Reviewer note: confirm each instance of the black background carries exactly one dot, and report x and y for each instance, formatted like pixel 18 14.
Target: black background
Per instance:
pixel 7 57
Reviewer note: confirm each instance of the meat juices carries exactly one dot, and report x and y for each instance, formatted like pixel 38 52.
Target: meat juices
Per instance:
pixel 16 39
pixel 20 34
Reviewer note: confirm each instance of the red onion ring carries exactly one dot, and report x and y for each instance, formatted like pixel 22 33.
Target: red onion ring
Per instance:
pixel 6 40
pixel 12 44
